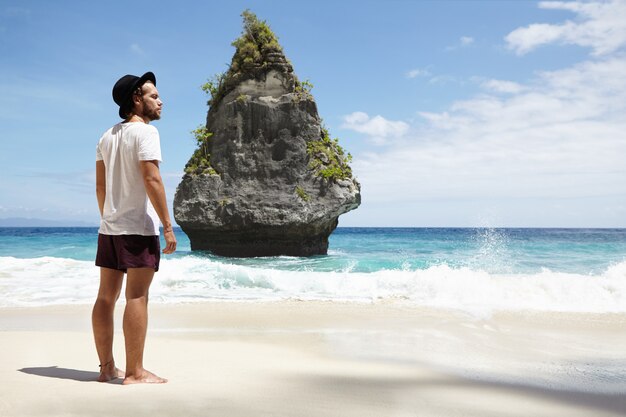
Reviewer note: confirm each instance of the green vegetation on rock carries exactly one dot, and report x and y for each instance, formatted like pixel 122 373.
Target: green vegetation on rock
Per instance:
pixel 302 194
pixel 328 159
pixel 303 89
pixel 253 50
pixel 199 163
pixel 214 87
pixel 256 41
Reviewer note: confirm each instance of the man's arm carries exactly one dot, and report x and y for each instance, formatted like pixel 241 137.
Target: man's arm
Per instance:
pixel 156 192
pixel 101 189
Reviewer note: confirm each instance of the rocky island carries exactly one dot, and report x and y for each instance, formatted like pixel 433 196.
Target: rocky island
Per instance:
pixel 266 178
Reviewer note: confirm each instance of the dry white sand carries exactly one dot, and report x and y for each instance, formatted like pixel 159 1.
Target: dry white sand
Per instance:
pixel 320 359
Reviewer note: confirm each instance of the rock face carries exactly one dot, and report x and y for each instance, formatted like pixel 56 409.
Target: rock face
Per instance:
pixel 267 180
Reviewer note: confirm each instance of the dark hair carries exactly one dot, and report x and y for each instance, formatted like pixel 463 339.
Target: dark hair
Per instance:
pixel 128 106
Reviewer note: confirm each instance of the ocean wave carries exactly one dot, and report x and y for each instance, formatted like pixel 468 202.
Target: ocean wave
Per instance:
pixel 48 280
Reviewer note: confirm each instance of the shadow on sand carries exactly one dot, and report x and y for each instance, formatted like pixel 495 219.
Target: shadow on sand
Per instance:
pixel 65 373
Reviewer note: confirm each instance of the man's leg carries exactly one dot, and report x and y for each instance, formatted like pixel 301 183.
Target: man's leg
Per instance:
pixel 102 321
pixel 136 324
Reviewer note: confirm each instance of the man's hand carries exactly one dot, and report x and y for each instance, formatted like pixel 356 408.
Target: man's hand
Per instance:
pixel 170 241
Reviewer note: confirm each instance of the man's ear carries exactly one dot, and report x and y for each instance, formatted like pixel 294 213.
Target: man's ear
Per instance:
pixel 136 103
pixel 136 99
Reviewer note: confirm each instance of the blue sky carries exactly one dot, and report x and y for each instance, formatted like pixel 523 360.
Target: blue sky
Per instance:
pixel 457 113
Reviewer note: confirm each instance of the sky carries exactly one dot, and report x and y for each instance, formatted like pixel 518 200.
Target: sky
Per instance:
pixel 456 113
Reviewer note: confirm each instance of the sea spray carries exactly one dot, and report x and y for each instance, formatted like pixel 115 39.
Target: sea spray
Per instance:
pixel 46 281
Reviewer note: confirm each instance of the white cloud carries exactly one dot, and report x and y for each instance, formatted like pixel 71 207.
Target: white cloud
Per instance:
pixel 379 129
pixel 417 72
pixel 466 40
pixel 600 26
pixel 443 80
pixel 440 79
pixel 559 137
pixel 502 86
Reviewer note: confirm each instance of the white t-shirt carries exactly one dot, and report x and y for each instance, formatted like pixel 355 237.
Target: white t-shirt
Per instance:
pixel 127 208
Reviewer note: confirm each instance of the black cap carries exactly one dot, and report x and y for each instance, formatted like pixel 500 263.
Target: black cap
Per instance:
pixel 124 87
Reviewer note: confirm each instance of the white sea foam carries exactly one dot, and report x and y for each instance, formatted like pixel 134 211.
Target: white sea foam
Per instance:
pixel 47 280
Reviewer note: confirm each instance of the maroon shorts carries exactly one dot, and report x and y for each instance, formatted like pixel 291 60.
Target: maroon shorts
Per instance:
pixel 128 251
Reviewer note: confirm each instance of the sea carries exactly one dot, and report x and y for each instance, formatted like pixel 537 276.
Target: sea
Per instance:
pixel 476 270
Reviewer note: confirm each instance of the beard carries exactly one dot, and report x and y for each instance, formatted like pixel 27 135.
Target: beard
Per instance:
pixel 152 114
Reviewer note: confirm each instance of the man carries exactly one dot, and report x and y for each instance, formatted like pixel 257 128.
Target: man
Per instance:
pixel 131 198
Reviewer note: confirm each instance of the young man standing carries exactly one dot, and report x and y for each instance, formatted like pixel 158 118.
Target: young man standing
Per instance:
pixel 131 198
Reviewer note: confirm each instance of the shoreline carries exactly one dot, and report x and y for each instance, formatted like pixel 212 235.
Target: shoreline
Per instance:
pixel 313 358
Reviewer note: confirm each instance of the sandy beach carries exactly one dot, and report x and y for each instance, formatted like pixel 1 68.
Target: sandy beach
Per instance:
pixel 309 358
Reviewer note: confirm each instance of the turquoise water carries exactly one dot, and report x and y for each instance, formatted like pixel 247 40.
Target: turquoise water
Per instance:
pixel 584 251
pixel 476 270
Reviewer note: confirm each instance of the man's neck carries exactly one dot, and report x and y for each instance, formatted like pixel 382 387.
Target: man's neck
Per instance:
pixel 137 118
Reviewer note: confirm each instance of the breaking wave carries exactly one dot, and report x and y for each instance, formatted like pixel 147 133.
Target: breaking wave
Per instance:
pixel 49 280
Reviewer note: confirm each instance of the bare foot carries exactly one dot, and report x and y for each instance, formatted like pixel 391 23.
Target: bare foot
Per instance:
pixel 109 372
pixel 146 377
